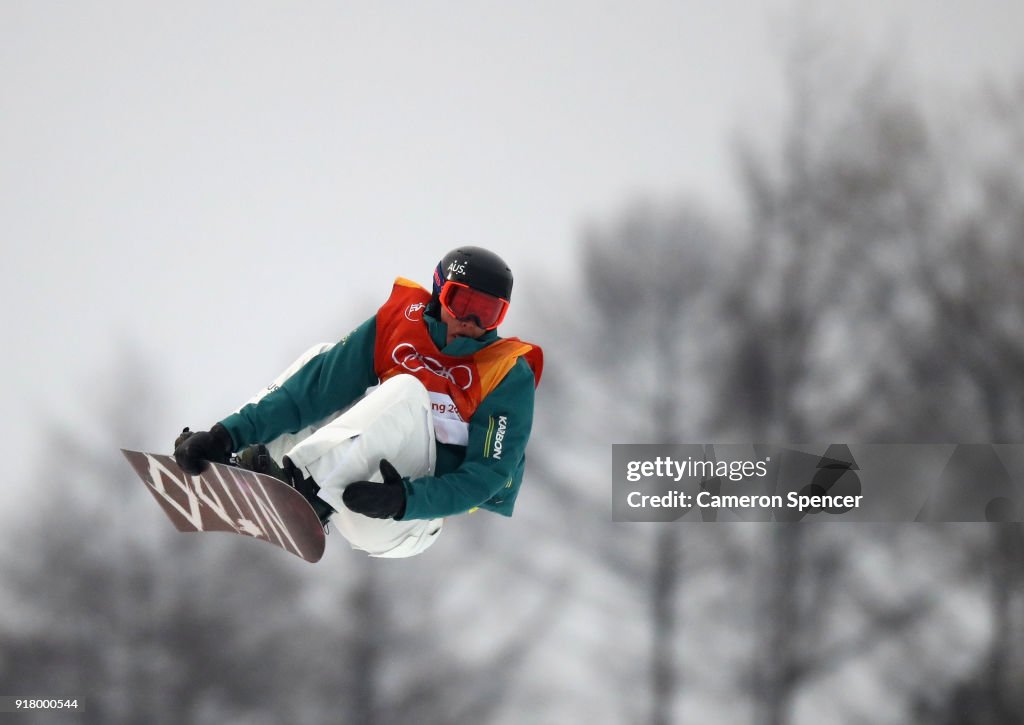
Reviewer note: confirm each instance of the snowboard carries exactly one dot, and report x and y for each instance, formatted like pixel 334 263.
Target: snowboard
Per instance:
pixel 232 499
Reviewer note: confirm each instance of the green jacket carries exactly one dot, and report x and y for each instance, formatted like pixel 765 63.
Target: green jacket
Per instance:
pixel 465 477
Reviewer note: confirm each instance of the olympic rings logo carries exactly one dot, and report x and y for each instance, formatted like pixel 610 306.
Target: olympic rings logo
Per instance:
pixel 409 358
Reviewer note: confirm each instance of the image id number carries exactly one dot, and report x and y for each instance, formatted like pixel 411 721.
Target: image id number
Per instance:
pixel 16 704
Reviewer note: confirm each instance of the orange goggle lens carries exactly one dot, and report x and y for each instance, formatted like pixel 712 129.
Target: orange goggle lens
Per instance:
pixel 465 303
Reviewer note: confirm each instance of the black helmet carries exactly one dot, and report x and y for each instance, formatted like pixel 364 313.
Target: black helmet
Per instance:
pixel 475 267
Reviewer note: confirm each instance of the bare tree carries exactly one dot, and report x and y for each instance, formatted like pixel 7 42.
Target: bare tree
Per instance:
pixel 645 276
pixel 968 266
pixel 115 607
pixel 108 603
pixel 820 310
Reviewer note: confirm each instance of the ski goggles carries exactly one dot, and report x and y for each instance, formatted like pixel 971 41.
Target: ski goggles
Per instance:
pixel 465 303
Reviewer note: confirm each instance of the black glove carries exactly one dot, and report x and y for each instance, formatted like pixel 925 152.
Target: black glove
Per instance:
pixel 378 500
pixel 194 449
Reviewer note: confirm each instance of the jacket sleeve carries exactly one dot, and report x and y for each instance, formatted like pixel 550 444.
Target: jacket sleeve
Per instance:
pixel 326 384
pixel 498 434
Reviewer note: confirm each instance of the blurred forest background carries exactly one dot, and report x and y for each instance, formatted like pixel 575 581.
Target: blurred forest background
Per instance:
pixel 871 293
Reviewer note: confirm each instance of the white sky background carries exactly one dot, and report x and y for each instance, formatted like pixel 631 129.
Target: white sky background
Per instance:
pixel 223 184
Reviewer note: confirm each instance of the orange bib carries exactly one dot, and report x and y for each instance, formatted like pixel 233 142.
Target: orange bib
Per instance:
pixel 456 385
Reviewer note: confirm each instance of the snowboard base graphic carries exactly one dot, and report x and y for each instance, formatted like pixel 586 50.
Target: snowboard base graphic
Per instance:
pixel 234 500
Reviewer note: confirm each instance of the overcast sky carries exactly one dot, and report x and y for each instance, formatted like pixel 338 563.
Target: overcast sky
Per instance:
pixel 222 184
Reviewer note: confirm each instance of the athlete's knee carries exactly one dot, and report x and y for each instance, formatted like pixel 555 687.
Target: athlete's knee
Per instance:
pixel 406 386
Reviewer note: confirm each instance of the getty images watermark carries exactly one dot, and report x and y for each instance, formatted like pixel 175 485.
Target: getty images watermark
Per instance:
pixel 843 482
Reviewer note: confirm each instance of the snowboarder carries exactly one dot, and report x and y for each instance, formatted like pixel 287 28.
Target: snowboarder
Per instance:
pixel 446 426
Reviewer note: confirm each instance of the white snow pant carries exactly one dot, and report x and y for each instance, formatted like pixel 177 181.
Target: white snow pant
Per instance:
pixel 392 421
